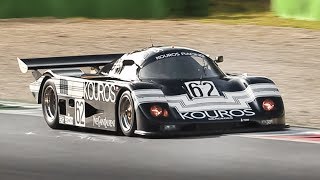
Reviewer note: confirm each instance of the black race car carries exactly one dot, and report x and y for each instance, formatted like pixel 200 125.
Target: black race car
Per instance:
pixel 157 90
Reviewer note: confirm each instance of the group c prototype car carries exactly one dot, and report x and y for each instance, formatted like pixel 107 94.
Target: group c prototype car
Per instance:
pixel 153 91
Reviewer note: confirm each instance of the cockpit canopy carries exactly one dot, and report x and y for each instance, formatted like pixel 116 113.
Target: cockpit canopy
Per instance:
pixel 165 63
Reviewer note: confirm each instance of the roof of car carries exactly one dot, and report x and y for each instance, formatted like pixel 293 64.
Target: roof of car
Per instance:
pixel 140 56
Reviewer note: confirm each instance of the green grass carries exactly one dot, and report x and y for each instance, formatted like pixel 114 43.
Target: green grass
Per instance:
pixel 260 18
pixel 252 12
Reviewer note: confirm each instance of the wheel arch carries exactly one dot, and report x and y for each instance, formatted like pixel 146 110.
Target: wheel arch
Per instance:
pixel 46 77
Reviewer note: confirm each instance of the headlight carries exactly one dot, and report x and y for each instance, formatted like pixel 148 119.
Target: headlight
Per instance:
pixel 157 111
pixel 268 105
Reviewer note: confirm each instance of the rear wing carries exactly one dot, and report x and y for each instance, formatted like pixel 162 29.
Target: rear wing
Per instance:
pixel 67 62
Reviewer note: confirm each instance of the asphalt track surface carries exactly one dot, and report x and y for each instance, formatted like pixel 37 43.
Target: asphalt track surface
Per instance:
pixel 29 149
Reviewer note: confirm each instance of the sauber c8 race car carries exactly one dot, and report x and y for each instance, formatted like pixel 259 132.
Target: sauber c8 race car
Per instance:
pixel 153 91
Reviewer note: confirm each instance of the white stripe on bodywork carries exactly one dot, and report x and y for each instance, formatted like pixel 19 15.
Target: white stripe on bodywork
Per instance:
pixel 35 86
pixel 148 92
pixel 75 89
pixel 75 86
pixel 229 100
pixel 143 96
pixel 263 86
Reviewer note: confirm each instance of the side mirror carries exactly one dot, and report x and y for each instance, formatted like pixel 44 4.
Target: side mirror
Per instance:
pixel 218 59
pixel 127 62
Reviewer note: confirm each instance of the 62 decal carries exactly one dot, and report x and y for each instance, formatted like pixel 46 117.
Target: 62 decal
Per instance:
pixel 201 89
pixel 80 114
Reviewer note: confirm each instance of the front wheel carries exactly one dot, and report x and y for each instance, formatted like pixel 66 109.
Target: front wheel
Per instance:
pixel 50 104
pixel 126 114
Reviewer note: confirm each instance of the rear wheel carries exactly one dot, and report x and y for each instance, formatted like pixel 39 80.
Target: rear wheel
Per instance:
pixel 126 114
pixel 50 104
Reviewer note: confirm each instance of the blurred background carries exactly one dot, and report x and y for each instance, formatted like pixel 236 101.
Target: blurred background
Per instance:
pixel 301 9
pixel 274 38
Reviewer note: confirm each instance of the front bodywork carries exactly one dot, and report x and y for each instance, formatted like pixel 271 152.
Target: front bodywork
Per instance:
pixel 237 103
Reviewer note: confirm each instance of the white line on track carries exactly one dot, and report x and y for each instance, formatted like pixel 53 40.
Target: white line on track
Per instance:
pixel 21 108
pixel 28 112
pixel 282 139
pixel 19 104
pixel 304 135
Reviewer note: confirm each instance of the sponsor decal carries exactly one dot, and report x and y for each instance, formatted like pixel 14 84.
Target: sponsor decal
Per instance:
pixel 245 120
pixel 103 122
pixel 201 89
pixel 218 114
pixel 266 122
pixel 61 119
pixel 99 91
pixel 66 119
pixel 176 54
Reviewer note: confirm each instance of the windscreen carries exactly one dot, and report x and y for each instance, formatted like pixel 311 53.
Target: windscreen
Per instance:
pixel 180 66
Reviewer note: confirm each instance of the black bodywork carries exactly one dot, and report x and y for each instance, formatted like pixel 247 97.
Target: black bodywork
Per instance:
pixel 207 103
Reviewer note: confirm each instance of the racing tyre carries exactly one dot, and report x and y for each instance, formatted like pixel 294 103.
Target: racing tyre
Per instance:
pixel 126 114
pixel 50 104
